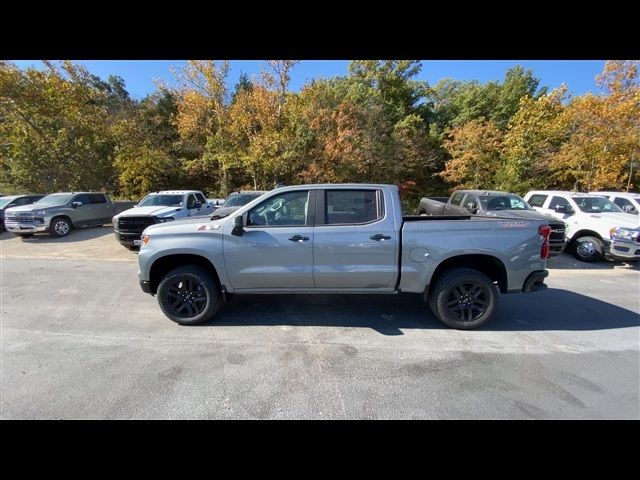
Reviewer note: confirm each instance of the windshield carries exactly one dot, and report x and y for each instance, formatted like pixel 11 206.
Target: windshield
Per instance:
pixel 503 202
pixel 4 201
pixel 54 199
pixel 239 200
pixel 161 201
pixel 596 205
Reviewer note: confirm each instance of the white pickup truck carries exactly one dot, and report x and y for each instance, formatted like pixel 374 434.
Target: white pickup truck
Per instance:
pixel 596 227
pixel 627 201
pixel 158 207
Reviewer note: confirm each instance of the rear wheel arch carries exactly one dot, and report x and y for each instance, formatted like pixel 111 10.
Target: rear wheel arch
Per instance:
pixel 489 265
pixel 164 265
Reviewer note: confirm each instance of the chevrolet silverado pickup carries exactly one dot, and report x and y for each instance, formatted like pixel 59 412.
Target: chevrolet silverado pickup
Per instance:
pixel 493 203
pixel 59 213
pixel 158 207
pixel 342 238
pixel 596 227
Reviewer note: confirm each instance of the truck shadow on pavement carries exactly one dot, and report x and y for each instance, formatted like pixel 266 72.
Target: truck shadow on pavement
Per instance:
pixel 76 235
pixel 554 309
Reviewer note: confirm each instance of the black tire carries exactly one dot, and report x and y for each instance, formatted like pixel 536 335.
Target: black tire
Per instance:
pixel 588 249
pixel 60 227
pixel 463 298
pixel 189 295
pixel 24 235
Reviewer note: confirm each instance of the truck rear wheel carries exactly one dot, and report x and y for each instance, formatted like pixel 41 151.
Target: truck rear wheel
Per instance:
pixel 463 298
pixel 189 295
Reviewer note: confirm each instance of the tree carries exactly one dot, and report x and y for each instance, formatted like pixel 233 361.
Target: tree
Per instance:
pixel 534 135
pixel 55 132
pixel 475 155
pixel 604 138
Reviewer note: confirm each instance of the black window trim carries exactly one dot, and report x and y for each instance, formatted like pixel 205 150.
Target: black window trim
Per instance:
pixel 320 207
pixel 311 211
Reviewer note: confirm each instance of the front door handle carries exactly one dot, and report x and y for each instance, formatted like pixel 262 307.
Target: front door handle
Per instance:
pixel 298 238
pixel 379 237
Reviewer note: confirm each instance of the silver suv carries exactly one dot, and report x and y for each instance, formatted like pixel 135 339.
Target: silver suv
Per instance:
pixel 59 213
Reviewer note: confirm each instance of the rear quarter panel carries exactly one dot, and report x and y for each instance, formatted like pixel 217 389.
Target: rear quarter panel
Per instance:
pixel 426 244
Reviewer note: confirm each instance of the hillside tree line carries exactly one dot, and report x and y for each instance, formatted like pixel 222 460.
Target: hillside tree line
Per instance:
pixel 63 128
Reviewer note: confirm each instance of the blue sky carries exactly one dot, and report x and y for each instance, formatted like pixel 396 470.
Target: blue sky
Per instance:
pixel 139 75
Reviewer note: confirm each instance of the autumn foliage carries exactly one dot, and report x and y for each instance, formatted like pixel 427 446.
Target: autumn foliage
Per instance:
pixel 62 128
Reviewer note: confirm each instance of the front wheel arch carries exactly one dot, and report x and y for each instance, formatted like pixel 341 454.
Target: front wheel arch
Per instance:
pixel 163 265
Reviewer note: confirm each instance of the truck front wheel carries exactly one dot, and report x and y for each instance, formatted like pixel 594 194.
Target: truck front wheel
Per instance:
pixel 60 227
pixel 588 249
pixel 463 298
pixel 189 295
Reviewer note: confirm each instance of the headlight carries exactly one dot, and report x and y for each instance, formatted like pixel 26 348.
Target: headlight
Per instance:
pixel 165 219
pixel 623 233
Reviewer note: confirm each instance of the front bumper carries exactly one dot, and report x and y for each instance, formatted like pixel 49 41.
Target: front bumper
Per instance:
pixel 535 281
pixel 127 238
pixel 621 250
pixel 25 227
pixel 145 285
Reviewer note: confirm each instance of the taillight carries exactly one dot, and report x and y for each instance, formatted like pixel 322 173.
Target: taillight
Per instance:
pixel 545 231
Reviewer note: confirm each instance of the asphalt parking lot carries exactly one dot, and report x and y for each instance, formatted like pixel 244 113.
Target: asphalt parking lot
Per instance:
pixel 81 340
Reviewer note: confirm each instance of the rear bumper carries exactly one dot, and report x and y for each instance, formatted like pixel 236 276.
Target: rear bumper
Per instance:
pixel 535 281
pixel 621 250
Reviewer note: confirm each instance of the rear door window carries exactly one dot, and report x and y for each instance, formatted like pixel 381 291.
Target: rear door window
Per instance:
pixel 537 200
pixel 350 207
pixel 84 198
pixel 97 198
pixel 623 202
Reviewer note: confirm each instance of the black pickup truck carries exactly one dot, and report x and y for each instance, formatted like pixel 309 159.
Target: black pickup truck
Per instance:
pixel 492 203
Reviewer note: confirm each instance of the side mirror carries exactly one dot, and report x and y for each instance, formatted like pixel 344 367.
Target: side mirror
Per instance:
pixel 238 226
pixel 629 209
pixel 135 205
pixel 76 204
pixel 472 207
pixel 560 209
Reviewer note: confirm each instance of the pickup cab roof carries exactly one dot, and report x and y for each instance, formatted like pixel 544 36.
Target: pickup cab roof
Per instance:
pixel 174 192
pixel 618 194
pixel 558 192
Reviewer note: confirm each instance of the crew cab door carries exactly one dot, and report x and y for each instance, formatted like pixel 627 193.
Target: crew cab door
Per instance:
pixel 356 240
pixel 102 209
pixel 276 249
pixel 82 214
pixel 204 209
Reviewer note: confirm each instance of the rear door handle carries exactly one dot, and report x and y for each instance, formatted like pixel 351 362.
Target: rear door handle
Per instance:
pixel 379 237
pixel 298 238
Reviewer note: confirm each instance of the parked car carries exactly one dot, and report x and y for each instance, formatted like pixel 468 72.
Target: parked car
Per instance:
pixel 15 201
pixel 235 201
pixel 158 207
pixel 493 203
pixel 59 213
pixel 596 227
pixel 348 238
pixel 629 202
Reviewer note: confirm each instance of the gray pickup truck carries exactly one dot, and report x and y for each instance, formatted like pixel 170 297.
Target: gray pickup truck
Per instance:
pixel 493 203
pixel 59 213
pixel 347 238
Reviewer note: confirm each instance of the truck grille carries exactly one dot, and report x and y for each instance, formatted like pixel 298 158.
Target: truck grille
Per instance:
pixel 134 224
pixel 19 217
pixel 557 231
